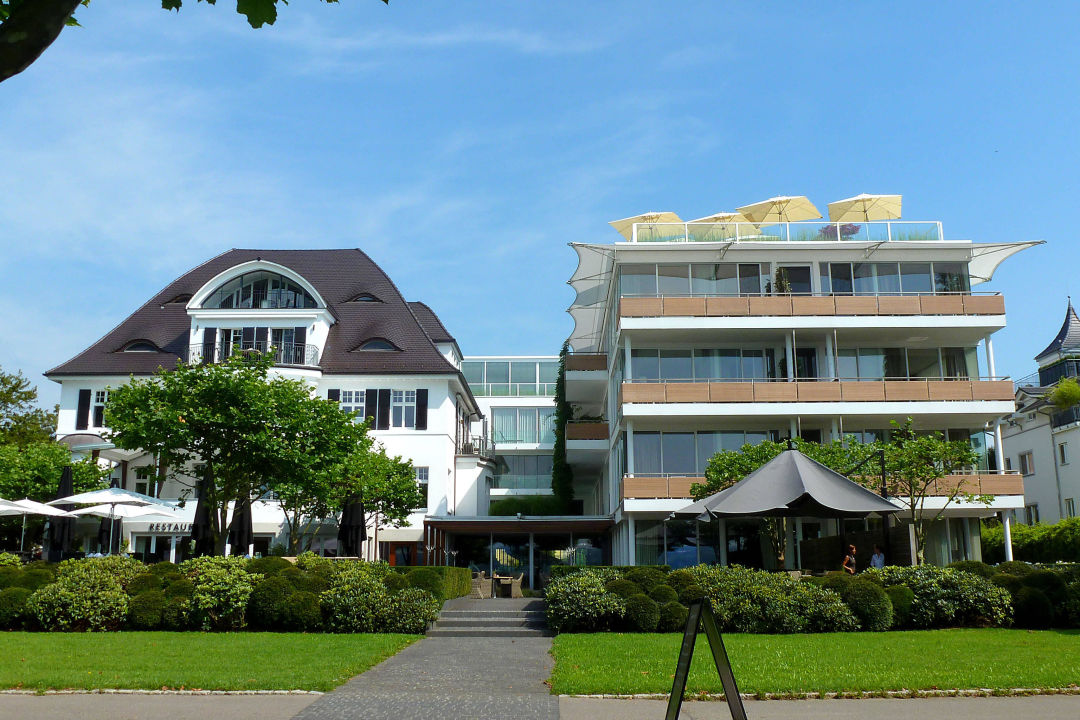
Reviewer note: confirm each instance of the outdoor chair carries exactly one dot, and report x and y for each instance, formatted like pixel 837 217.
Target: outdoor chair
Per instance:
pixel 481 586
pixel 515 586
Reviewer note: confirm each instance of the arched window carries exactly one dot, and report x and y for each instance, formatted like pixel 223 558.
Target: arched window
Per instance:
pixel 377 344
pixel 179 299
pixel 141 346
pixel 260 289
pixel 365 297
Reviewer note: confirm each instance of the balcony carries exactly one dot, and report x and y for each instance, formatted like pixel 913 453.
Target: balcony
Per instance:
pixel 477 447
pixel 585 361
pixel 809 305
pixel 818 390
pixel 873 232
pixel 284 353
pixel 529 389
pixel 586 431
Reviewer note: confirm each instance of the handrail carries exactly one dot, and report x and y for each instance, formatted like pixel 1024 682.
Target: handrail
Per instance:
pixel 284 353
pixel 936 378
pixel 812 294
pixel 804 231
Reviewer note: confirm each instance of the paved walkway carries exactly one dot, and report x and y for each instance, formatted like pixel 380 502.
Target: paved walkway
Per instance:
pixel 444 678
pixel 152 707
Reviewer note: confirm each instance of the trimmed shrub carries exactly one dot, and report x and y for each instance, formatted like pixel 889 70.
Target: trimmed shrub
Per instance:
pixel 870 605
pixel 642 613
pixel 974 566
pixel 176 613
pixel 268 565
pixel 456 581
pixel 145 609
pixel 409 611
pixel 266 606
pixel 1047 543
pixel 180 587
pixel 1007 581
pixel 1071 611
pixel 837 583
pixel 902 599
pixel 10 560
pixel 947 598
pixel 90 600
pixel 580 603
pixel 302 612
pixel 690 593
pixel 663 594
pixel 358 601
pixel 625 589
pixel 310 562
pixel 527 505
pixel 428 580
pixel 221 590
pixel 679 579
pixel 1019 568
pixel 604 572
pixel 165 568
pixel 672 617
pixel 121 569
pixel 142 583
pixel 34 579
pixel 13 607
pixel 395 582
pixel 9 576
pixel 1050 583
pixel 756 601
pixel 1032 609
pixel 306 581
pixel 647 577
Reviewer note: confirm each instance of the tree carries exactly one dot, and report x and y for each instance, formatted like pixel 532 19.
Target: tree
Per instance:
pixel 21 421
pixel 1065 395
pixel 234 425
pixel 386 485
pixel 33 471
pixel 562 475
pixel 29 27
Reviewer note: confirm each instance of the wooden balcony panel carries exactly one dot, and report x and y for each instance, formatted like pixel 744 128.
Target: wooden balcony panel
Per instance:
pixel 992 390
pixel 650 488
pixel 804 305
pixel 587 431
pixel 586 361
pixel 949 389
pixel 641 307
pixel 818 391
pixel 643 393
pixel 941 304
pixel 905 390
pixel 775 392
pixel 770 305
pixel 978 484
pixel 726 306
pixel 687 392
pixel 869 391
pixel 899 305
pixel 684 307
pixel 1002 484
pixel 856 305
pixel 679 487
pixel 731 392
pixel 984 304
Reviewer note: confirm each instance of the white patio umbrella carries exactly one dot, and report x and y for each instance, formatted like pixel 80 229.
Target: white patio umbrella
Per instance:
pixel 625 227
pixel 724 226
pixel 25 507
pixel 864 208
pixel 108 496
pixel 121 511
pixel 782 208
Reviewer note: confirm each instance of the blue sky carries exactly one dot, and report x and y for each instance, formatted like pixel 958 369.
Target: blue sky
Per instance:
pixel 463 144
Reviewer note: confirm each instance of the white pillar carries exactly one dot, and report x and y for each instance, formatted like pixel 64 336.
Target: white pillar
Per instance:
pixel 172 550
pixel 631 531
pixel 629 447
pixel 793 428
pixel 627 374
pixel 988 346
pixel 722 529
pixel 999 450
pixel 830 364
pixel 789 356
pixel 1006 522
pixel 532 576
pixel 834 430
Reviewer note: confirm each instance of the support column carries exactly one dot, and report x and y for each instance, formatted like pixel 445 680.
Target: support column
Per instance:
pixel 631 531
pixel 789 544
pixel 627 373
pixel 722 530
pixel 988 347
pixel 789 357
pixel 1006 522
pixel 532 565
pixel 798 542
pixel 629 447
pixel 830 364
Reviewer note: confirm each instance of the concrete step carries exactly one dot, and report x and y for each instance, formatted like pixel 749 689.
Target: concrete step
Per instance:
pixel 487 632
pixel 493 614
pixel 447 622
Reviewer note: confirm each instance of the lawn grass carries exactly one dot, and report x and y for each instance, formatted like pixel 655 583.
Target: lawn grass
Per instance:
pixel 829 662
pixel 190 660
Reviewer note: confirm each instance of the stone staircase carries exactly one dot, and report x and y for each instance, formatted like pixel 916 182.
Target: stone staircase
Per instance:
pixel 500 617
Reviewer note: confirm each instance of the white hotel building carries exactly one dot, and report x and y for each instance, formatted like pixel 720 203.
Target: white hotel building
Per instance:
pixel 683 345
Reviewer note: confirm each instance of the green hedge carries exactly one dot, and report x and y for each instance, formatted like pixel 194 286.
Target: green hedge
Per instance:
pixel 456 581
pixel 1059 542
pixel 608 572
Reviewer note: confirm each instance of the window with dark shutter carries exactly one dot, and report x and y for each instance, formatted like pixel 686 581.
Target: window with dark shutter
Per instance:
pixel 99 416
pixel 383 421
pixel 421 409
pixel 82 415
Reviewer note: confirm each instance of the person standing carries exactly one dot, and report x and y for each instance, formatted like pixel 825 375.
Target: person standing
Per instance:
pixel 877 560
pixel 849 560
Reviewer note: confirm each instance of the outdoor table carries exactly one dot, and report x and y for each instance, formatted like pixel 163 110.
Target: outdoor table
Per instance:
pixel 502 582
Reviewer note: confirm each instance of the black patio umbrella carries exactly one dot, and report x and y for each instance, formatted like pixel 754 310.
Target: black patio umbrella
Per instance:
pixel 241 534
pixel 201 528
pixel 352 530
pixel 62 530
pixel 110 530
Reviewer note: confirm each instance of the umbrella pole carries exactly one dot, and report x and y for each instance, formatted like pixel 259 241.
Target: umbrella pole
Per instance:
pixel 22 538
pixel 112 527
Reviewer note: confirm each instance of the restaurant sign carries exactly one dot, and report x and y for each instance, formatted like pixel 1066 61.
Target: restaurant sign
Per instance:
pixel 169 527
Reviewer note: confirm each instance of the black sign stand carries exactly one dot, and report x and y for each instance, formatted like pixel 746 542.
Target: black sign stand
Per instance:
pixel 700 613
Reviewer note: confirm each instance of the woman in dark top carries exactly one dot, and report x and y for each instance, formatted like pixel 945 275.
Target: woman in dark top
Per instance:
pixel 849 560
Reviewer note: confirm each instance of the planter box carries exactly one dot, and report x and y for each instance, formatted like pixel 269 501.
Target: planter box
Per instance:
pixel 768 305
pixel 681 307
pixel 818 391
pixel 869 391
pixel 950 389
pixel 731 392
pixel 942 304
pixel 643 393
pixel 905 390
pixel 899 305
pixel 726 306
pixel 856 305
pixel 775 392
pixel 688 392
pixel 802 305
pixel 984 304
pixel 641 307
pixel 992 390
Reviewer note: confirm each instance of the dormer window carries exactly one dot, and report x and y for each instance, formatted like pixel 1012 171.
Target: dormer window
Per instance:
pixel 180 299
pixel 377 344
pixel 141 346
pixel 365 297
pixel 260 289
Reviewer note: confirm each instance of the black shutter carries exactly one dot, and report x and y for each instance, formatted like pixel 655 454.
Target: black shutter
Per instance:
pixel 299 349
pixel 261 335
pixel 421 409
pixel 82 416
pixel 384 410
pixel 300 335
pixel 99 416
pixel 334 395
pixel 371 404
pixel 247 338
pixel 209 337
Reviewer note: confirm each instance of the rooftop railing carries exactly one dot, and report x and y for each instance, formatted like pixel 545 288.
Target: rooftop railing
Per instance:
pixel 526 389
pixel 284 353
pixel 878 231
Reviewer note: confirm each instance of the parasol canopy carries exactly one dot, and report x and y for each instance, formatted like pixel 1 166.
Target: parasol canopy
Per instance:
pixel 722 226
pixel 625 227
pixel 781 209
pixel 865 208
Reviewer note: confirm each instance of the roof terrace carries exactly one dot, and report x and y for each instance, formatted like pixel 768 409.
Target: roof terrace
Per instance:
pixel 804 231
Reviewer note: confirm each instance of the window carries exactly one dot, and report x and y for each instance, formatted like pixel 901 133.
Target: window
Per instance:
pixel 353 401
pixel 1063 453
pixel 688 453
pixel 403 408
pixel 260 289
pixel 422 483
pixel 524 425
pixel 378 344
pixel 141 346
pixel 676 365
pixel 1070 507
pixel 1008 464
pixel 1027 463
pixel 522 471
pixel 101 398
pixel 365 297
pixel 1031 513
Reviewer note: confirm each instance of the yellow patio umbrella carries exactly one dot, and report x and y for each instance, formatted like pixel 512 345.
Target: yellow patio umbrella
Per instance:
pixel 722 226
pixel 625 227
pixel 864 208
pixel 784 208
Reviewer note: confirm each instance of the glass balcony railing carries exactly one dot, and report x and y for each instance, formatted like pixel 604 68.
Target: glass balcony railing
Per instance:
pixel 532 389
pixel 879 231
pixel 522 482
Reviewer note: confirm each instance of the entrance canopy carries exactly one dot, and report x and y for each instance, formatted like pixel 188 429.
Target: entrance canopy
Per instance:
pixel 791 485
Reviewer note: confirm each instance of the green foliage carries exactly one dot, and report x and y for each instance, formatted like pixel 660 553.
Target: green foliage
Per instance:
pixel 755 601
pixel 222 587
pixel 22 422
pixel 672 617
pixel 164 569
pixel 542 505
pixel 871 606
pixel 266 606
pixel 1051 584
pixel 358 601
pixel 679 579
pixel 579 602
pixel 1007 581
pixel 176 614
pixel 1066 394
pixel 427 579
pixel 902 598
pixel 33 470
pixel 122 570
pixel 562 474
pixel 456 581
pixel 312 582
pixel 974 566
pixel 607 572
pixel 13 612
pixel 34 579
pixel 9 576
pixel 690 593
pixel 10 560
pixel 949 598
pixel 310 562
pixel 622 587
pixel 86 598
pixel 642 613
pixel 145 610
pixel 663 594
pixel 837 582
pixel 1070 612
pixel 647 577
pixel 142 583
pixel 180 588
pixel 1033 609
pixel 395 582
pixel 1042 543
pixel 268 566
pixel 303 612
pixel 1017 568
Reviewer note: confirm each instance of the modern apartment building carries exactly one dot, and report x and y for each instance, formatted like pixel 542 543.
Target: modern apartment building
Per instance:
pixel 695 337
pixel 1040 438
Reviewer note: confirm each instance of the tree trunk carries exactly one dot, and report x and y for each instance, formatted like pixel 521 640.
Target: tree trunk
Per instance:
pixel 32 26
